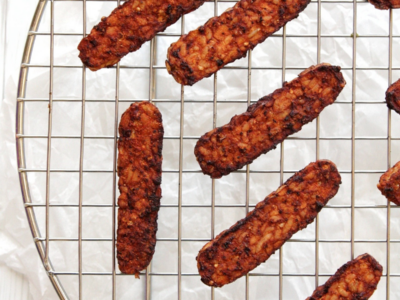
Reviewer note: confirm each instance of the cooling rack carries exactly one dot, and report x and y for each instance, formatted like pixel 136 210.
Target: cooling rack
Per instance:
pixel 67 169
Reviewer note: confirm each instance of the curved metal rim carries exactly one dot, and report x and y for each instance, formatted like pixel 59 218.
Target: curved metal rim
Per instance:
pixel 40 245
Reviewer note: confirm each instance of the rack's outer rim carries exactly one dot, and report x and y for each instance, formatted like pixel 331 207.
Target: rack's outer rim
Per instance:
pixel 40 246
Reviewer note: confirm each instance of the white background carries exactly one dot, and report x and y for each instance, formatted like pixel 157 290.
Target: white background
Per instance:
pixel 17 250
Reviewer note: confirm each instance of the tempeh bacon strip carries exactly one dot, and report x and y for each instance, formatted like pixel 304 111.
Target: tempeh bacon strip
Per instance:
pixel 355 280
pixel 393 96
pixel 128 27
pixel 269 121
pixel 139 170
pixel 385 4
pixel 223 39
pixel 389 184
pixel 252 240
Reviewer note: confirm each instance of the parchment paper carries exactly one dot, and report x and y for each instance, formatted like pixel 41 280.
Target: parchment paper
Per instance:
pixel 17 249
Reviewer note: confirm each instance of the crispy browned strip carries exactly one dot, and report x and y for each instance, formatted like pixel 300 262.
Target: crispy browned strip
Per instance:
pixel 393 96
pixel 355 280
pixel 269 121
pixel 389 184
pixel 128 27
pixel 252 240
pixel 139 170
pixel 385 4
pixel 225 38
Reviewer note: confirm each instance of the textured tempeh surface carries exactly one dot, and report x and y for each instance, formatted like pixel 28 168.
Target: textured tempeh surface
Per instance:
pixel 385 4
pixel 225 38
pixel 393 96
pixel 355 280
pixel 128 27
pixel 389 184
pixel 252 240
pixel 139 170
pixel 269 121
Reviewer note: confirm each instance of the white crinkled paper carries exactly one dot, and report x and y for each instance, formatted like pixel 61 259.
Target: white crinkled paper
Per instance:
pixel 298 258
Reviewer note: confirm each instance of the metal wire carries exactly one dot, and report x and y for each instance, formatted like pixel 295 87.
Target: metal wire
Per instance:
pixel 317 149
pixel 248 167
pixel 116 107
pixel 389 154
pixel 50 123
pixel 43 242
pixel 181 133
pixel 282 162
pixel 353 127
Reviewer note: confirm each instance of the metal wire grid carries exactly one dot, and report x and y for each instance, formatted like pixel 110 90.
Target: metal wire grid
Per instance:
pixel 43 241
